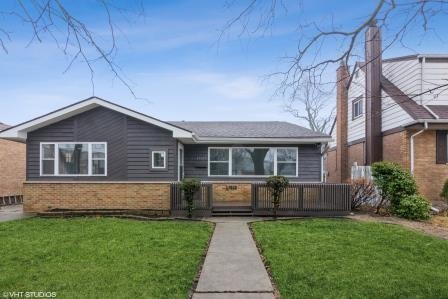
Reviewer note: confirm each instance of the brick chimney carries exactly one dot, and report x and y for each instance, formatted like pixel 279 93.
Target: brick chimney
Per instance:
pixel 342 75
pixel 374 139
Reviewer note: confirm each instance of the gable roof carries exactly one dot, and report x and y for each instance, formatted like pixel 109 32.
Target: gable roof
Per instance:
pixel 19 132
pixel 187 132
pixel 248 129
pixel 415 110
pixel 3 126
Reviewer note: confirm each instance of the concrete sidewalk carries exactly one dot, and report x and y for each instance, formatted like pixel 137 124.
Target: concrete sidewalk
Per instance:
pixel 233 267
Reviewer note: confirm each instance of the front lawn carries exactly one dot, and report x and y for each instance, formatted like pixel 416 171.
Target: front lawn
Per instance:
pixel 332 258
pixel 101 258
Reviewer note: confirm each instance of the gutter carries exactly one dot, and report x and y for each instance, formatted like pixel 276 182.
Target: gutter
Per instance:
pixel 413 147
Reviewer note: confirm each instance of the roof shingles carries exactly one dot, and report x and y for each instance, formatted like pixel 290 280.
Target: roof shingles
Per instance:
pixel 246 129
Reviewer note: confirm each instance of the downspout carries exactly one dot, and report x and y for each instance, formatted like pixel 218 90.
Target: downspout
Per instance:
pixel 412 145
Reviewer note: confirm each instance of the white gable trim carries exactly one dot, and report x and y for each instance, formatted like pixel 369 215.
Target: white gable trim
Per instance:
pixel 19 132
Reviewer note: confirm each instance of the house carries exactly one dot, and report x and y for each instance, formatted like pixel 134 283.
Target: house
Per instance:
pixel 393 110
pixel 95 154
pixel 12 169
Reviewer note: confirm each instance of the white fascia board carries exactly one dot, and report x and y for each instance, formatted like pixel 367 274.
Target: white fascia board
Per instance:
pixel 19 133
pixel 218 140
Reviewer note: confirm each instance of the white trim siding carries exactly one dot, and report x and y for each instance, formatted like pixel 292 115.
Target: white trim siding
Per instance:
pixel 393 115
pixel 356 128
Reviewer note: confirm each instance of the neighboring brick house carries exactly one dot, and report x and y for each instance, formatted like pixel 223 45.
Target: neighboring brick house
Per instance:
pixel 394 110
pixel 12 167
pixel 95 154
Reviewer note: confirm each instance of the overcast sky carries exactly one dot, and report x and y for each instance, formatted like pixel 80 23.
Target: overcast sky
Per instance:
pixel 171 58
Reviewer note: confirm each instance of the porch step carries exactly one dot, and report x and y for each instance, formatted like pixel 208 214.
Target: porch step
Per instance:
pixel 232 211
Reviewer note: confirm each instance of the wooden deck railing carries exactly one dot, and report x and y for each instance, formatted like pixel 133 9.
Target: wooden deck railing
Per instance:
pixel 297 200
pixel 303 199
pixel 202 200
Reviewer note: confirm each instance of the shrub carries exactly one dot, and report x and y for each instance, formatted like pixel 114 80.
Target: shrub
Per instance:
pixel 394 182
pixel 190 187
pixel 362 192
pixel 276 185
pixel 444 193
pixel 413 207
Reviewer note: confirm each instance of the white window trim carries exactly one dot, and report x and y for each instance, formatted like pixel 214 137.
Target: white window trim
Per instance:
pixel 179 159
pixel 251 176
pixel 164 159
pixel 355 102
pixel 56 160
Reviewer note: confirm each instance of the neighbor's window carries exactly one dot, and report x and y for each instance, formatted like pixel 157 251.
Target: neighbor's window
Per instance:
pixel 252 161
pixel 73 159
pixel 219 161
pixel 357 109
pixel 158 159
pixel 287 161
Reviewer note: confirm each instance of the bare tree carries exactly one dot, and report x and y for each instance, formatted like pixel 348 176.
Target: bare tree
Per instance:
pixel 58 21
pixel 324 44
pixel 312 105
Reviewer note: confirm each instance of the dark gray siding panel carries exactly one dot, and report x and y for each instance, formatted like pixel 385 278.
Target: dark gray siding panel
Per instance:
pixel 142 139
pixel 310 160
pixel 129 142
pixel 196 163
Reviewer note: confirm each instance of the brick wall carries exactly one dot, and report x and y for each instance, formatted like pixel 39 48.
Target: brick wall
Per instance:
pixel 355 154
pixel 429 175
pixel 232 192
pixel 396 148
pixel 40 197
pixel 331 166
pixel 12 167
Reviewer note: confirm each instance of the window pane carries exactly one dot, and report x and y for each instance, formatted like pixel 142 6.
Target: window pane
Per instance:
pixel 73 159
pixel 48 151
pixel 220 168
pixel 47 166
pixel 98 151
pixel 252 161
pixel 98 167
pixel 286 169
pixel 159 159
pixel 286 154
pixel 219 154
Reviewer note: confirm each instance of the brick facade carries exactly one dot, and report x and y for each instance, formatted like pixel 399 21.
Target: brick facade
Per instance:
pixel 356 153
pixel 232 192
pixel 12 167
pixel 331 166
pixel 429 175
pixel 39 197
pixel 396 148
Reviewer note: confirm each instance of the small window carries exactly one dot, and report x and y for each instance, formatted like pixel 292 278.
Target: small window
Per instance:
pixel 158 159
pixel 47 159
pixel 357 108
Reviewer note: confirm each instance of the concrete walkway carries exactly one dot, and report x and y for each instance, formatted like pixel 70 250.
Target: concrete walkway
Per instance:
pixel 233 267
pixel 8 213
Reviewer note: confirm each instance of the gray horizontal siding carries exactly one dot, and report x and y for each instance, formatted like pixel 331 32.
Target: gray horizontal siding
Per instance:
pixel 196 163
pixel 142 139
pixel 129 143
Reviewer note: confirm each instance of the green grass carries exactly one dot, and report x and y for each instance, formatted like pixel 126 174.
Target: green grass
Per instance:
pixel 331 258
pixel 101 258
